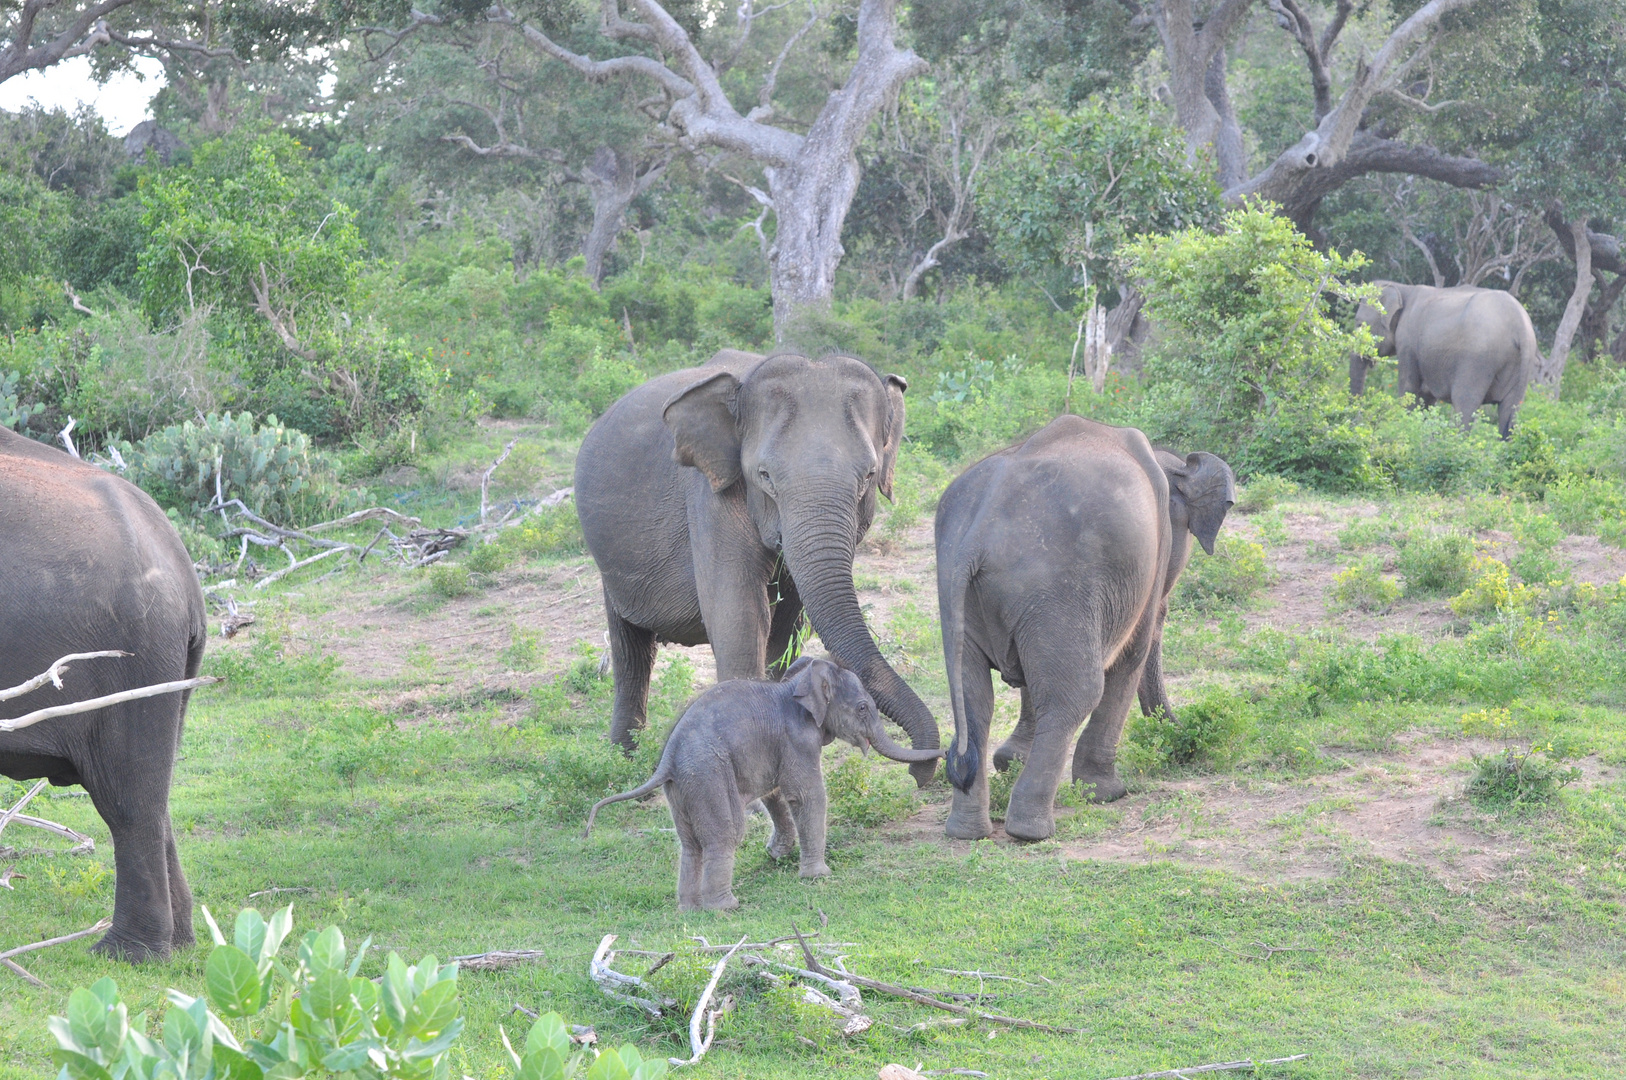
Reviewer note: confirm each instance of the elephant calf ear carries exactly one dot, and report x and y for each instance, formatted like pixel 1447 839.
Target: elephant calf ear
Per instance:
pixel 704 423
pixel 813 687
pixel 893 438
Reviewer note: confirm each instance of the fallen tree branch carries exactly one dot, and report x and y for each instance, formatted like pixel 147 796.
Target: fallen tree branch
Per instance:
pixel 698 1045
pixel 6 957
pixel 6 818
pixel 485 478
pixel 497 959
pixel 614 984
pixel 1223 1066
pixel 54 673
pixel 91 705
pixel 291 567
pixel 359 516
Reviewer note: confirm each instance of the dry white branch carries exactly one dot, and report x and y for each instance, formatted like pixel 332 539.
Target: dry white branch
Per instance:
pixel 485 478
pixel 6 957
pixel 7 817
pixel 91 705
pixel 497 959
pixel 614 984
pixel 66 435
pixel 1222 1066
pixel 54 673
pixel 364 515
pixel 699 1045
pixel 291 567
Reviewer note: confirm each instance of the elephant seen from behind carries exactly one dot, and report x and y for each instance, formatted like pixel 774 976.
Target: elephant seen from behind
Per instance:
pixel 1464 345
pixel 1055 559
pixel 721 501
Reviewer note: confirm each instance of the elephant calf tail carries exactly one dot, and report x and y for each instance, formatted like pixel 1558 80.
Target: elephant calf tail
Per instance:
pixel 638 792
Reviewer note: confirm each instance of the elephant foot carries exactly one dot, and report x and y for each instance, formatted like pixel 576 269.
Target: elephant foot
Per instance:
pixel 923 771
pixel 1102 787
pixel 1008 753
pixel 726 902
pixel 779 847
pixel 817 869
pixel 966 821
pixel 1029 823
pixel 131 952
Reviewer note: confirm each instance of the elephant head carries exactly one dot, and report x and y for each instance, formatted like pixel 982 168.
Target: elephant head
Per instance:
pixel 811 442
pixel 1382 320
pixel 838 703
pixel 1202 490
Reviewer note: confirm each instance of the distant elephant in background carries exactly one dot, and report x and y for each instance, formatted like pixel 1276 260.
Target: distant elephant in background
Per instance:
pixel 1052 559
pixel 719 500
pixel 1465 345
pixel 90 563
pixel 1201 486
pixel 746 740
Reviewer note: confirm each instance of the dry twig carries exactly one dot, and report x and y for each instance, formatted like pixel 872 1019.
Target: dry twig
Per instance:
pixel 614 984
pixel 485 478
pixel 54 673
pixel 92 704
pixel 1223 1066
pixel 6 957
pixel 497 959
pixel 698 1045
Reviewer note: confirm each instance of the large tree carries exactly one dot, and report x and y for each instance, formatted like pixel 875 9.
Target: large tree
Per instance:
pixel 809 163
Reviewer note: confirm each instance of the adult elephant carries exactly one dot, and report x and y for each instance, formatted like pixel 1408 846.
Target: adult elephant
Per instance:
pixel 720 500
pixel 90 563
pixel 1052 561
pixel 1465 345
pixel 1202 489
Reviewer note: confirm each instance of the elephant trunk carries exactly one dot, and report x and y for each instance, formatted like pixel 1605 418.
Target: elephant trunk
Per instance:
pixel 1358 367
pixel 886 747
pixel 819 552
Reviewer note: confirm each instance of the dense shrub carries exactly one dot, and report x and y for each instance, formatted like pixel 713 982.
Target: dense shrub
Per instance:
pixel 866 793
pixel 1262 493
pixel 1518 779
pixel 1210 730
pixel 1365 586
pixel 271 468
pixel 1434 565
pixel 1232 575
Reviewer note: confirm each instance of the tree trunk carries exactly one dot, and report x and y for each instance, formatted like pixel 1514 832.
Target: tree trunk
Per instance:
pixel 612 182
pixel 810 204
pixel 1550 372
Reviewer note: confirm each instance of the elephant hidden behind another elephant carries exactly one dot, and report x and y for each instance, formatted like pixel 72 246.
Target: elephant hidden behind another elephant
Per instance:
pixel 1465 345
pixel 720 501
pixel 745 740
pixel 1055 559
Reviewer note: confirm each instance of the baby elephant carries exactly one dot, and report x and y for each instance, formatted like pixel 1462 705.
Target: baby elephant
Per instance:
pixel 744 740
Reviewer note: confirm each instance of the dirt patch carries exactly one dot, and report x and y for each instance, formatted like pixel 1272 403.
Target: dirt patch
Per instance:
pixel 1398 807
pixel 1593 561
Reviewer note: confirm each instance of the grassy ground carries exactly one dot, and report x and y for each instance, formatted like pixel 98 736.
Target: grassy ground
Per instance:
pixel 411 758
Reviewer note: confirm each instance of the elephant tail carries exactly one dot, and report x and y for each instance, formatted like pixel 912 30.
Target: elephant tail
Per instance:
pixel 964 753
pixel 662 774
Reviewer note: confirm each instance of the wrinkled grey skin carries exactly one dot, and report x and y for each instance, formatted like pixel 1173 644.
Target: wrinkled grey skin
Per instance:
pixel 1464 345
pixel 721 500
pixel 90 563
pixel 1052 558
pixel 746 740
pixel 1202 490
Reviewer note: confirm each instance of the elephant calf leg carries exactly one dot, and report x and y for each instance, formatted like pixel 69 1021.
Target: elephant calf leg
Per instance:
pixel 808 807
pixel 783 840
pixel 717 877
pixel 1020 741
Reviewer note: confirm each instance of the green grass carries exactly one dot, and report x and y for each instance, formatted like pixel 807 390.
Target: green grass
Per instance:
pixel 461 833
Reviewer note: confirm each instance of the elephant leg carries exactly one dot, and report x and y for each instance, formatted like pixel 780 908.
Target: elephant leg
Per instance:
pixel 733 587
pixel 783 840
pixel 688 870
pixel 1154 696
pixel 968 810
pixel 1095 758
pixel 808 807
pixel 782 627
pixel 717 818
pixel 1065 691
pixel 632 656
pixel 1016 746
pixel 1504 417
pixel 143 907
pixel 180 895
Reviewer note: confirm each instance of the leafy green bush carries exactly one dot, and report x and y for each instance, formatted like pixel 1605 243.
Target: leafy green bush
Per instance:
pixel 866 793
pixel 1210 730
pixel 486 558
pixel 13 415
pixel 1518 779
pixel 269 467
pixel 450 580
pixel 313 1015
pixel 1365 586
pixel 1232 575
pixel 1427 450
pixel 1262 493
pixel 554 530
pixel 1436 565
pixel 572 777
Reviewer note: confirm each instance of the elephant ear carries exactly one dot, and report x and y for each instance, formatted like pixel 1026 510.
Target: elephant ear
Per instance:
pixel 1205 486
pixel 893 437
pixel 704 420
pixel 812 687
pixel 1394 310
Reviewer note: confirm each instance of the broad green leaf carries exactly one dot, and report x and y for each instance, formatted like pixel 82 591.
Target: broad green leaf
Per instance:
pixel 355 964
pixel 544 1064
pixel 323 951
pixel 62 1030
pixel 365 991
pixel 235 1065
pixel 76 1066
pixel 87 1017
pixel 214 928
pixel 276 931
pixel 249 933
pixel 433 1010
pixel 233 981
pixel 327 996
pixel 549 1031
pixel 182 1034
pixel 107 990
pixel 425 973
pixel 217 1027
pixel 608 1067
pixel 348 1058
pixel 418 1051
pixel 509 1047
pixel 396 991
pixel 649 1069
